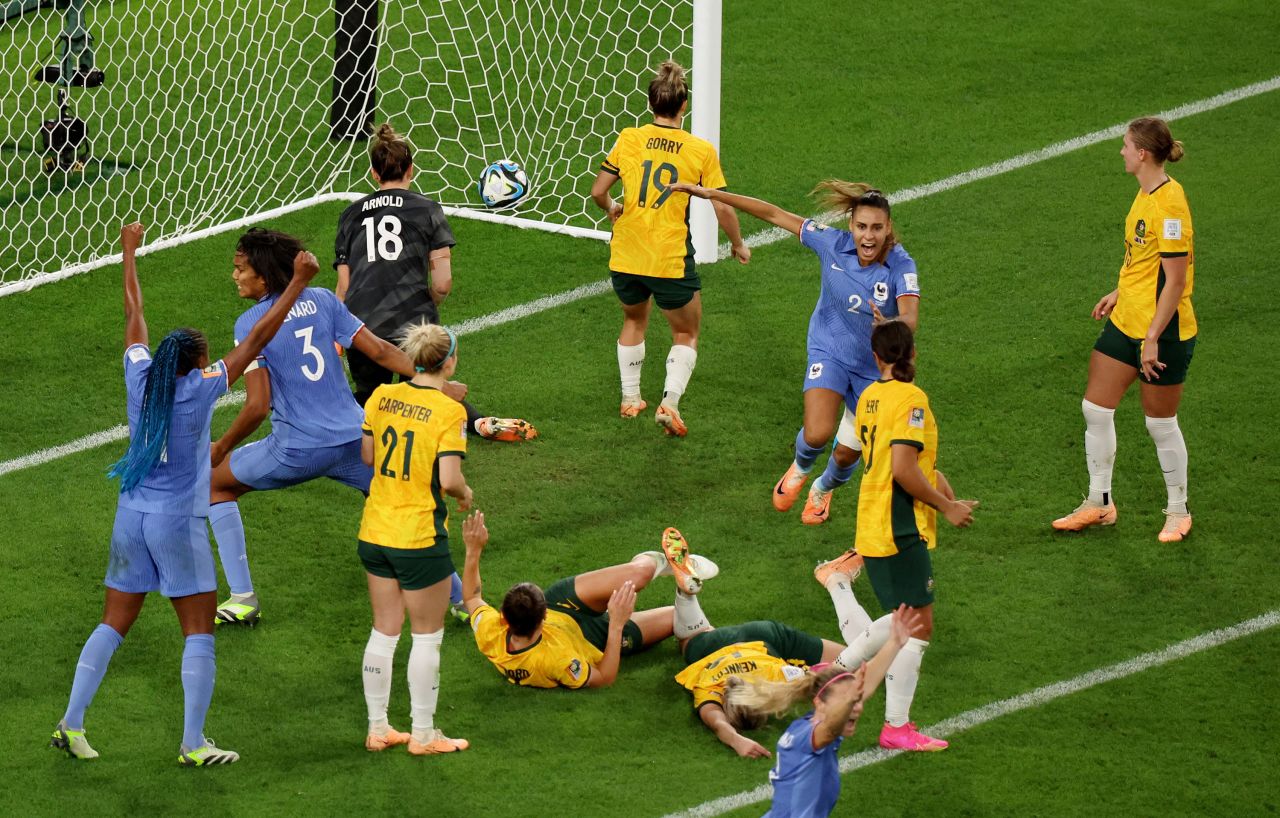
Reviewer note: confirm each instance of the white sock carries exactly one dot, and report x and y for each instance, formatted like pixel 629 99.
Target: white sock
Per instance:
pixel 689 619
pixel 900 682
pixel 1171 449
pixel 660 566
pixel 630 362
pixel 867 644
pixel 424 682
pixel 680 362
pixel 379 655
pixel 1099 449
pixel 854 621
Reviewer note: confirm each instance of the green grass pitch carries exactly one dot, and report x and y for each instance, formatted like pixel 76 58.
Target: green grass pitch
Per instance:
pixel 900 95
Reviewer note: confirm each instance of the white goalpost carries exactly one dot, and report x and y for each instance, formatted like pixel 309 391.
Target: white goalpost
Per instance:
pixel 203 118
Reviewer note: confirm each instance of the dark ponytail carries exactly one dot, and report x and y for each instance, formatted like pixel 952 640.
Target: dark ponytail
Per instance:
pixel 894 344
pixel 176 355
pixel 391 155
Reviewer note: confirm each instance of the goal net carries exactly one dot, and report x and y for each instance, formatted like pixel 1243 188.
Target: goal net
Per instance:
pixel 212 115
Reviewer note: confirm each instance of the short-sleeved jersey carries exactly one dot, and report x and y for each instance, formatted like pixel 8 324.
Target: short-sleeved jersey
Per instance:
pixel 385 238
pixel 562 657
pixel 311 402
pixel 412 428
pixel 840 327
pixel 1158 227
pixel 708 677
pixel 652 238
pixel 889 518
pixel 806 782
pixel 179 483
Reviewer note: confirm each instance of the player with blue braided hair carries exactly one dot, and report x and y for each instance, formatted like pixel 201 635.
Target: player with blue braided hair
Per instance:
pixel 160 539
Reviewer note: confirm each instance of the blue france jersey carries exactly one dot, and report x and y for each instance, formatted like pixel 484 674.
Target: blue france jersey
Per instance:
pixel 806 782
pixel 179 484
pixel 840 328
pixel 311 403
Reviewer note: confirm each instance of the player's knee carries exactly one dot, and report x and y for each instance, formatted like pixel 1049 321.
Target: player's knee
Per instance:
pixel 845 456
pixel 639 573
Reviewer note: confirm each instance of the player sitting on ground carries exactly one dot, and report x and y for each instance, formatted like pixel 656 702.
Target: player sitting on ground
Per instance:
pixel 574 634
pixel 766 651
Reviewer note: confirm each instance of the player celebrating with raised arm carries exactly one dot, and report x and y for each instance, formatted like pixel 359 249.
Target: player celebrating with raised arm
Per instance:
pixel 898 500
pixel 651 253
pixel 393 255
pixel 299 380
pixel 417 437
pixel 160 541
pixel 867 276
pixel 1150 333
pixel 575 633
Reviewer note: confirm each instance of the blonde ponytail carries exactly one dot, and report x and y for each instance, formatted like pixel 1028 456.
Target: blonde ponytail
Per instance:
pixel 751 703
pixel 846 197
pixel 428 346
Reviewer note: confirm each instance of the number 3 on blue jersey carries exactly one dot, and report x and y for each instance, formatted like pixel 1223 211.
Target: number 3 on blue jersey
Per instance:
pixel 309 348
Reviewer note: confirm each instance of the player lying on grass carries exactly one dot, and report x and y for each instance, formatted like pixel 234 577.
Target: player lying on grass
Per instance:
pixel 721 660
pixel 160 541
pixel 574 634
pixel 865 276
pixel 417 437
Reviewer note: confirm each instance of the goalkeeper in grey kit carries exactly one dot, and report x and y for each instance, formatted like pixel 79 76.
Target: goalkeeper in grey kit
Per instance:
pixel 392 255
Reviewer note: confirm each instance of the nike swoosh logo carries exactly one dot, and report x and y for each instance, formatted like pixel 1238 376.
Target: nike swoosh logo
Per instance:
pixel 837 269
pixel 778 490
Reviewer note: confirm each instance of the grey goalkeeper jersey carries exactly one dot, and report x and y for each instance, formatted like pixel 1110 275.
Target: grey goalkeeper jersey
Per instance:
pixel 385 239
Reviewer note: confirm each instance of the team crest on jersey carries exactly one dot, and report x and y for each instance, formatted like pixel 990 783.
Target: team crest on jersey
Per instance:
pixel 917 418
pixel 1140 232
pixel 815 371
pixel 575 669
pixel 881 293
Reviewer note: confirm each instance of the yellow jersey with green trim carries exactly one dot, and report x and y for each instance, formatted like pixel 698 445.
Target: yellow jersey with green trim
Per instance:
pixel 412 428
pixel 562 656
pixel 889 519
pixel 1158 227
pixel 652 237
pixel 708 677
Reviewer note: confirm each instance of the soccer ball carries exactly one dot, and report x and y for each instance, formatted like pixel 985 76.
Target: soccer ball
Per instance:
pixel 503 183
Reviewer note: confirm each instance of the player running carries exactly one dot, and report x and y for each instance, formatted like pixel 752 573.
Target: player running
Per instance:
pixel 741 675
pixel 416 436
pixel 574 634
pixel 159 541
pixel 651 253
pixel 299 380
pixel 867 276
pixel 393 257
pixel 1149 335
pixel 898 501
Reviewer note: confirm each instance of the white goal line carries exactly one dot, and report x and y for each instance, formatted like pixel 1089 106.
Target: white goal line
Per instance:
pixel 483 322
pixel 1034 698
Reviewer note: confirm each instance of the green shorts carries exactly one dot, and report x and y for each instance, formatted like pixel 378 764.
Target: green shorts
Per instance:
pixel 667 293
pixel 783 641
pixel 413 568
pixel 594 625
pixel 905 578
pixel 1174 354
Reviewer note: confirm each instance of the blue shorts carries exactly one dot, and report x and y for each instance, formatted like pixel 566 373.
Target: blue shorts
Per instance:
pixel 262 465
pixel 826 373
pixel 160 552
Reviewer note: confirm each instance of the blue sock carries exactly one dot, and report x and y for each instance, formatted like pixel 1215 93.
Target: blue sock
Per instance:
pixel 90 669
pixel 455 589
pixel 834 475
pixel 805 454
pixel 228 532
pixel 198 671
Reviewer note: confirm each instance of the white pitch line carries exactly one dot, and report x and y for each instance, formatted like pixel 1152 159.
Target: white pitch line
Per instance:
pixel 990 712
pixel 764 237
